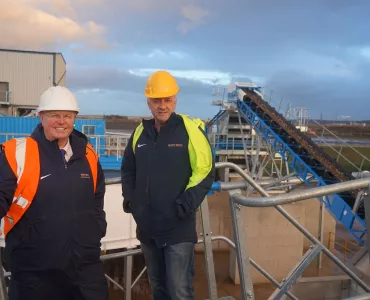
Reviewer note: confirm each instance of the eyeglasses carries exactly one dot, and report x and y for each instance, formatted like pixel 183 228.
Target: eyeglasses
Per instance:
pixel 55 116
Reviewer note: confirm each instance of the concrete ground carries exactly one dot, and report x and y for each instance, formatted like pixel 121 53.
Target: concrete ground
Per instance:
pixel 225 286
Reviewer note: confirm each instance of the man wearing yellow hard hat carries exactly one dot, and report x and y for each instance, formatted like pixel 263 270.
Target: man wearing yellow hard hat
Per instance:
pixel 168 169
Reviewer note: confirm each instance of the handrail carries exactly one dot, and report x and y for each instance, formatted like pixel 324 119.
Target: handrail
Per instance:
pixel 344 247
pixel 115 180
pixel 217 186
pixel 317 245
pixel 302 195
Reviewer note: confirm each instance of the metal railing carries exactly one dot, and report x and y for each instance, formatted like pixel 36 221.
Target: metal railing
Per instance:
pixel 109 145
pixel 346 246
pixel 105 145
pixel 237 200
pixel 230 143
pixel 5 97
pixel 343 144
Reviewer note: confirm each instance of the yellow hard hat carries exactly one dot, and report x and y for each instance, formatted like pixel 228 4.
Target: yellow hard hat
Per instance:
pixel 161 84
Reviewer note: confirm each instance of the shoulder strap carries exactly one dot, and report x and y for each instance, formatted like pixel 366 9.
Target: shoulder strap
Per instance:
pixel 138 131
pixel 92 158
pixel 9 149
pixel 23 157
pixel 16 151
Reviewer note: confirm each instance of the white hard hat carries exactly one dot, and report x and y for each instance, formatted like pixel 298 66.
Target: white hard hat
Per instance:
pixel 58 98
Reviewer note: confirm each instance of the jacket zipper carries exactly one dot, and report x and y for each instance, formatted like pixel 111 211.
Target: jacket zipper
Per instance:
pixel 150 163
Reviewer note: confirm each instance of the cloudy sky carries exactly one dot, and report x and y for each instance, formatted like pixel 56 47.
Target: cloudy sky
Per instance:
pixel 313 54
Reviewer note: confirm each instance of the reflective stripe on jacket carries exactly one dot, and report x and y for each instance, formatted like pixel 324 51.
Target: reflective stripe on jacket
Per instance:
pixel 22 155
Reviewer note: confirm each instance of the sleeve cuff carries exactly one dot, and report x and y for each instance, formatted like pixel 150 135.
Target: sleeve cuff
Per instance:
pixel 183 209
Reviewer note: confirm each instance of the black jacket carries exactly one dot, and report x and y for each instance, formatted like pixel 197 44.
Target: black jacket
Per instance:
pixel 66 220
pixel 154 179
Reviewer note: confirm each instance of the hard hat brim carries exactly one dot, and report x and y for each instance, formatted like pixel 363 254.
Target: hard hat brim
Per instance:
pixel 160 95
pixel 58 109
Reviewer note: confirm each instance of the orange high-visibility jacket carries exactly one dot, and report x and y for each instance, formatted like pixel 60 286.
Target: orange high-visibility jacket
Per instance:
pixel 22 155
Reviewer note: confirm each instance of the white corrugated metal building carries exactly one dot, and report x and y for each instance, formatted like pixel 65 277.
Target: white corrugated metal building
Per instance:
pixel 25 75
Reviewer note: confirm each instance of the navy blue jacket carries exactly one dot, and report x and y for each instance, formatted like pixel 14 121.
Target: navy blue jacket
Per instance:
pixel 154 180
pixel 66 220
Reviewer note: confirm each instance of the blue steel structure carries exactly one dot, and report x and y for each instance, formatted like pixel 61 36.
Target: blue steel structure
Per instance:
pixel 216 119
pixel 23 126
pixel 336 205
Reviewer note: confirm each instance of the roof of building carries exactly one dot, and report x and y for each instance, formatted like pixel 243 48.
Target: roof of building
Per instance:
pixel 32 52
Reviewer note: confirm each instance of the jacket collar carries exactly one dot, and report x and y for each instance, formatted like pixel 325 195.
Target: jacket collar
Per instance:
pixel 171 123
pixel 77 140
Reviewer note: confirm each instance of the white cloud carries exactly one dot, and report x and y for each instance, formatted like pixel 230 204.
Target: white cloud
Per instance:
pixel 40 24
pixel 365 52
pixel 158 53
pixel 210 77
pixel 178 54
pixel 194 17
pixel 206 77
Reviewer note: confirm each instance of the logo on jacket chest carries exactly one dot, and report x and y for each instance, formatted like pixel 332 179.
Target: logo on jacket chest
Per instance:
pixel 85 176
pixel 175 145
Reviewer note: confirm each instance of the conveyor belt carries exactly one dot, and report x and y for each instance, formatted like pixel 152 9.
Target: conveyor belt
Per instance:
pixel 304 156
pixel 310 152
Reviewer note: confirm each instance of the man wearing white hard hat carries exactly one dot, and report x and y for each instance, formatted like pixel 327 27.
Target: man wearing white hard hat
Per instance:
pixel 51 204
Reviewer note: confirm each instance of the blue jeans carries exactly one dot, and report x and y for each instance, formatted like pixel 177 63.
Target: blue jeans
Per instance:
pixel 170 270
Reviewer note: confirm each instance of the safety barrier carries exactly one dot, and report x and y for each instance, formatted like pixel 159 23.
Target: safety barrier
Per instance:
pixel 237 202
pixel 111 145
pixel 347 246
